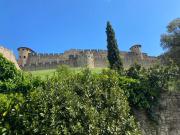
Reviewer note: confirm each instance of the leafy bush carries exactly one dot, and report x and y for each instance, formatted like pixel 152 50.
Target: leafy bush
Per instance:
pixel 79 103
pixel 10 118
pixel 7 69
pixel 13 80
pixel 144 92
pixel 82 103
pixel 14 86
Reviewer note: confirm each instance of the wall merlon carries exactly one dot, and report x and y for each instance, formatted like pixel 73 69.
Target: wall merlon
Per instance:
pixel 47 54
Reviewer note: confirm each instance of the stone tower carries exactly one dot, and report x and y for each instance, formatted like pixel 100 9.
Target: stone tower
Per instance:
pixel 136 49
pixel 90 59
pixel 85 59
pixel 23 55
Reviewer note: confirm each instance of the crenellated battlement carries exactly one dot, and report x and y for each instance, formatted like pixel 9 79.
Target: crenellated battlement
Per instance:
pixel 85 50
pixel 81 58
pixel 95 50
pixel 46 54
pixel 72 51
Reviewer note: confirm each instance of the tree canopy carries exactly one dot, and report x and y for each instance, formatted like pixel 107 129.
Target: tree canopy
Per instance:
pixel 171 41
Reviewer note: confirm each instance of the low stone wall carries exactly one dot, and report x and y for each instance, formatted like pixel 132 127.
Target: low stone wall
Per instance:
pixel 168 116
pixel 9 55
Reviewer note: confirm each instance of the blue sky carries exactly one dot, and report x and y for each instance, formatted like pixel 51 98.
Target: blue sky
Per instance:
pixel 59 25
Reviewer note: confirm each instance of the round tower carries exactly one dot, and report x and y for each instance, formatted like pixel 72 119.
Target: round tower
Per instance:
pixel 23 55
pixel 85 59
pixel 136 49
pixel 90 59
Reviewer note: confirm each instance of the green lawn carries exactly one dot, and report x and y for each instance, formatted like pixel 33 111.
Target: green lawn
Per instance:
pixel 50 72
pixel 43 73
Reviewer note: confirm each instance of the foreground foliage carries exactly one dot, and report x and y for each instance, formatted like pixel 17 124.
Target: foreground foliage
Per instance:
pixel 79 103
pixel 144 92
pixel 67 103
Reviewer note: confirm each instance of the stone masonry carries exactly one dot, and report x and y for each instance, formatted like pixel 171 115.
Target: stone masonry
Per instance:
pixel 9 55
pixel 31 60
pixel 168 116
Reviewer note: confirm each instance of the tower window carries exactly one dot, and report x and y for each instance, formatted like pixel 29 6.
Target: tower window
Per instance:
pixel 19 56
pixel 24 57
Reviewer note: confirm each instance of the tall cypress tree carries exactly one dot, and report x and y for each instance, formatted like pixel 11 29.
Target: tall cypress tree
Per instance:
pixel 113 51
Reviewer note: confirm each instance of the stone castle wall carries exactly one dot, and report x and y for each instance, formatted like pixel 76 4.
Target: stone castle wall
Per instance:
pixel 9 55
pixel 82 58
pixel 45 58
pixel 73 58
pixel 168 116
pixel 39 61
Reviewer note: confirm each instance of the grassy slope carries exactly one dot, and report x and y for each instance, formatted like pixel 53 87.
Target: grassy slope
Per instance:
pixel 50 72
pixel 43 73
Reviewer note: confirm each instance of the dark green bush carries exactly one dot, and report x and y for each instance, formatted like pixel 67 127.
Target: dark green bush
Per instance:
pixel 13 80
pixel 14 86
pixel 82 103
pixel 7 69
pixel 144 92
pixel 78 103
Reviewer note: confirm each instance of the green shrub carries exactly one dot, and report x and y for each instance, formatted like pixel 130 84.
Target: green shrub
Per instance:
pixel 14 87
pixel 10 106
pixel 7 69
pixel 79 103
pixel 144 92
pixel 82 103
pixel 13 80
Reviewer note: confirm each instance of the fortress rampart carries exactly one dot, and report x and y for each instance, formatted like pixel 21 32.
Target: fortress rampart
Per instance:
pixel 31 60
pixel 9 55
